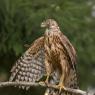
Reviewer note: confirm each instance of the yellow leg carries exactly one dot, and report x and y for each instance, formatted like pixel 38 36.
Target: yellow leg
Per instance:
pixel 47 79
pixel 61 83
pixel 63 74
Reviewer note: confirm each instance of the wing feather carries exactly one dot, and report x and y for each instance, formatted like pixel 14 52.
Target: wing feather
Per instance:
pixel 29 67
pixel 69 49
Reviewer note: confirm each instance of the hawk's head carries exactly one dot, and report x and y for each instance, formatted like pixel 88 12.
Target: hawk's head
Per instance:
pixel 49 23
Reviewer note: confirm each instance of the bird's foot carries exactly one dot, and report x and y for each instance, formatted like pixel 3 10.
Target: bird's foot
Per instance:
pixel 60 86
pixel 41 83
pixel 46 81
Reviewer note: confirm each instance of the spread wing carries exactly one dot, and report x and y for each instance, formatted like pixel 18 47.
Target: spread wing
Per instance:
pixel 29 67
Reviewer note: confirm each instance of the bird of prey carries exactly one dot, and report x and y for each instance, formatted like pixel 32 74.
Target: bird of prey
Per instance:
pixel 52 55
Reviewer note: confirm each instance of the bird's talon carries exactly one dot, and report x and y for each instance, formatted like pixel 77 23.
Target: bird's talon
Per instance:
pixel 41 82
pixel 60 89
pixel 60 86
pixel 46 82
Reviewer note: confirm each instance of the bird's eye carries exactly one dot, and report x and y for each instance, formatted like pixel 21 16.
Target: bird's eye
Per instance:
pixel 53 24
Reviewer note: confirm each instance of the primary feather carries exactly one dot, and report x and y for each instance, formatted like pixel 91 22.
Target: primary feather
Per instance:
pixel 30 66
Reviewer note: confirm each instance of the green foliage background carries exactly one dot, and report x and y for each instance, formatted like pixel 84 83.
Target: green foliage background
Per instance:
pixel 20 24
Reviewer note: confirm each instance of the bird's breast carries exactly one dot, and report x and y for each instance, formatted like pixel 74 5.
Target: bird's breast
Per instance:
pixel 53 47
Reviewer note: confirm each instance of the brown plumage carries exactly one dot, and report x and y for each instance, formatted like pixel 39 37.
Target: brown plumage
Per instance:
pixel 60 56
pixel 51 54
pixel 30 66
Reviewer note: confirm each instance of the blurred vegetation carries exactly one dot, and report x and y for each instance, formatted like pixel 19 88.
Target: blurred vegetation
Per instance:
pixel 20 24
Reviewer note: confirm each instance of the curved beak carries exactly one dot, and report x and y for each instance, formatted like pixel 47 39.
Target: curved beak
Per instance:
pixel 43 24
